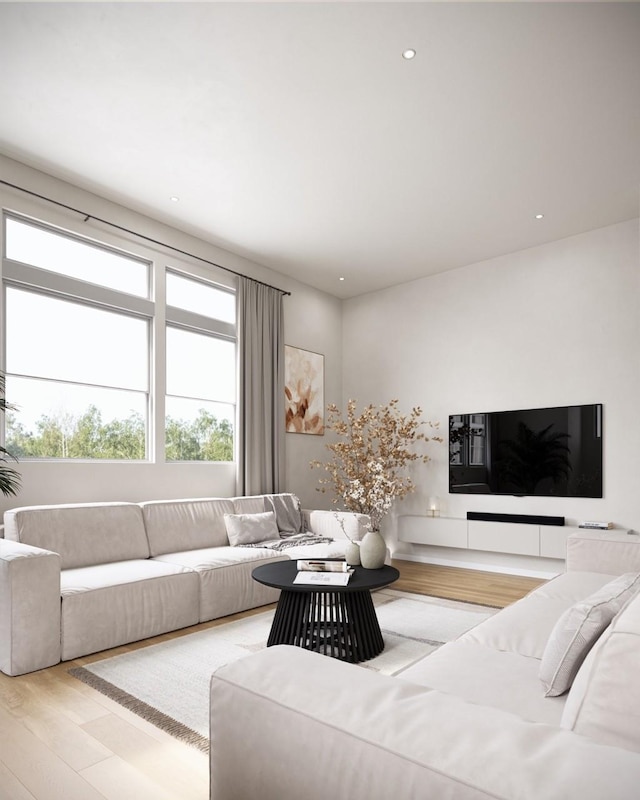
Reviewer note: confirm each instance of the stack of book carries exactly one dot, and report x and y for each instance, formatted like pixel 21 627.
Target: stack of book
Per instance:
pixel 597 526
pixel 323 572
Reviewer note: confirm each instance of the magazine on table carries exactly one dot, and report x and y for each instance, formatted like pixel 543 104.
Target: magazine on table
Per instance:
pixel 322 578
pixel 322 565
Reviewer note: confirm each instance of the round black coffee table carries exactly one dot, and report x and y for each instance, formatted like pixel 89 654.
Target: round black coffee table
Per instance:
pixel 339 621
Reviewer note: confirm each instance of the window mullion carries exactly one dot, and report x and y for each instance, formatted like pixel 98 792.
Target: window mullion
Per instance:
pixel 157 403
pixel 28 277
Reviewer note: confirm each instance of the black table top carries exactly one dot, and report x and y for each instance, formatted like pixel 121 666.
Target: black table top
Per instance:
pixel 280 575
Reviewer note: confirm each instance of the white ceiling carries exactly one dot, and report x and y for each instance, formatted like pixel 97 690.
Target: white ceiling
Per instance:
pixel 296 134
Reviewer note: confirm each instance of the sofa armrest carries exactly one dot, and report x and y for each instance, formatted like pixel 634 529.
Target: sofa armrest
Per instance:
pixel 287 723
pixel 610 552
pixel 337 524
pixel 29 608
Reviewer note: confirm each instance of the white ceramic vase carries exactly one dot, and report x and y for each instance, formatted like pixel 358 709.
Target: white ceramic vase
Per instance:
pixel 373 550
pixel 352 554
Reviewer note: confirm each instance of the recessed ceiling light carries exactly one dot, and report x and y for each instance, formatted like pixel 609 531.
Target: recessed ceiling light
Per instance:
pixel 174 199
pixel 539 216
pixel 340 279
pixel 409 54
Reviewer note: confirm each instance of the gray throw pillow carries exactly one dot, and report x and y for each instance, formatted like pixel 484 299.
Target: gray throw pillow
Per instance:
pixel 578 629
pixel 251 528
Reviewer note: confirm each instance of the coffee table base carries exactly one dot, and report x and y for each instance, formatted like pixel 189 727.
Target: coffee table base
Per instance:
pixel 343 625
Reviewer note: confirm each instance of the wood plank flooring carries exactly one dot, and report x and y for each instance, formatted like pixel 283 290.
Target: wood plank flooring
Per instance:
pixel 472 586
pixel 62 740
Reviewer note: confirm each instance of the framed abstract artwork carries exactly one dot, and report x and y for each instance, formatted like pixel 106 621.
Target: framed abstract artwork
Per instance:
pixel 304 391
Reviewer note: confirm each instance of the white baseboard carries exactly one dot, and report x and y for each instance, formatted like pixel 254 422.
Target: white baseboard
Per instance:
pixel 506 570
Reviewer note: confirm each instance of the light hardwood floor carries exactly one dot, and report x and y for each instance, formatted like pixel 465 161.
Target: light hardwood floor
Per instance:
pixel 62 740
pixel 472 586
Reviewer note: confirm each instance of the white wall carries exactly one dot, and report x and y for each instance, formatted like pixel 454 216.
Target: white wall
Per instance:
pixel 554 325
pixel 312 321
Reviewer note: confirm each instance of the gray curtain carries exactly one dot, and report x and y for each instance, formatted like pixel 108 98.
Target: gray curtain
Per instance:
pixel 261 431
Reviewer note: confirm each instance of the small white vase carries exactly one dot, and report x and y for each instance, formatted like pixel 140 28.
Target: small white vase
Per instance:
pixel 373 550
pixel 352 554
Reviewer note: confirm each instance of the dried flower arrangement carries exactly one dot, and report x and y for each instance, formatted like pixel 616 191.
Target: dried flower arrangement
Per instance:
pixel 367 470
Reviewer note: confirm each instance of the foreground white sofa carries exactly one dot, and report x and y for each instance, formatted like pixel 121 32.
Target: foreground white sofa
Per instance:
pixel 469 721
pixel 77 579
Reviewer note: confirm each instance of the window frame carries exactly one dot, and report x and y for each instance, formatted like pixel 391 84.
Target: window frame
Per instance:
pixel 193 322
pixel 47 283
pixel 154 309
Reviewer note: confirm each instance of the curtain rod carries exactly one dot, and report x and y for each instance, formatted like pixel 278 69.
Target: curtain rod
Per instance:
pixel 87 217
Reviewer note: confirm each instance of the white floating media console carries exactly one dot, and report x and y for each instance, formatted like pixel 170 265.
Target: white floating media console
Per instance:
pixel 543 541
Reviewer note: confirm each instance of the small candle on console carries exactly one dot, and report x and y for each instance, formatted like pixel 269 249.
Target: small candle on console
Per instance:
pixel 434 507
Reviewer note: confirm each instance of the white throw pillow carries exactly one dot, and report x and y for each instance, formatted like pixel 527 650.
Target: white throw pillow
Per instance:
pixel 251 528
pixel 578 629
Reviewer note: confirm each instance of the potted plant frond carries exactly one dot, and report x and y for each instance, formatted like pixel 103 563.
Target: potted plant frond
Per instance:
pixel 9 477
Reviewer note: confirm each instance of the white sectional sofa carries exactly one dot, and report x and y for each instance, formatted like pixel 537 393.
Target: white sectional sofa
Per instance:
pixel 469 721
pixel 77 579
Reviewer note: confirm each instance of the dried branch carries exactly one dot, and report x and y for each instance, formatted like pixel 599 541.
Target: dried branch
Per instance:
pixel 368 462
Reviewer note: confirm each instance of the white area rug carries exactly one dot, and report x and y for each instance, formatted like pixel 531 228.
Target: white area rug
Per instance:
pixel 168 683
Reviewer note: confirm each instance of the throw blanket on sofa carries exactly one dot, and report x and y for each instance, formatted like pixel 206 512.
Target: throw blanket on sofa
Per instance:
pixel 297 540
pixel 289 517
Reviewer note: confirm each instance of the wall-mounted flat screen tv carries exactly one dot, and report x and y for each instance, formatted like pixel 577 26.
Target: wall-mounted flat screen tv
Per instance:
pixel 550 452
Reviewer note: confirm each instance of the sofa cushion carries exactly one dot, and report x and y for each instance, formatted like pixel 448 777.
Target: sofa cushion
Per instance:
pixel 251 528
pixel 174 525
pixel 218 557
pixel 101 576
pixel 110 604
pixel 604 701
pixel 253 504
pixel 82 534
pixel 488 677
pixel 522 628
pixel 577 630
pixel 573 586
pixel 525 626
pixel 226 585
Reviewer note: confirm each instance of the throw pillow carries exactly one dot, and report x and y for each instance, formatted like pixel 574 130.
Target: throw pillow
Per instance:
pixel 251 528
pixel 577 630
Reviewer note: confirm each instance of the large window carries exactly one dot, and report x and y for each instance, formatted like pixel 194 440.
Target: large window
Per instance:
pixel 77 346
pixel 86 345
pixel 200 370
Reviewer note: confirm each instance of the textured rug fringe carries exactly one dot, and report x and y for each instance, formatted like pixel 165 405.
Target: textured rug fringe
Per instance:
pixel 144 710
